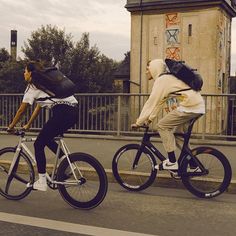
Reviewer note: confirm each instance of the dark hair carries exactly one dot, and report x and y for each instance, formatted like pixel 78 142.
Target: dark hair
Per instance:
pixel 34 66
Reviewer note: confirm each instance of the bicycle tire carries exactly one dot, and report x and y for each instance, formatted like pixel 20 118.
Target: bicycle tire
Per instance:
pixel 93 178
pixel 213 183
pixel 136 179
pixel 13 187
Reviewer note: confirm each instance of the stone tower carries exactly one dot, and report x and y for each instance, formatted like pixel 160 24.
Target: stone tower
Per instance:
pixel 195 31
pixel 13 44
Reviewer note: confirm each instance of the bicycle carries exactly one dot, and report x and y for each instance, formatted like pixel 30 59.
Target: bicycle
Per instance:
pixel 204 171
pixel 79 177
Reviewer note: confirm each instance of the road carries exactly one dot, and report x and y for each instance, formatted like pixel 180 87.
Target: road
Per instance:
pixel 155 211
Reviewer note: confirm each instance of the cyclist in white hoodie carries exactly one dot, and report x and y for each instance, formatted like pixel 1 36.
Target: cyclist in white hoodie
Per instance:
pixel 191 105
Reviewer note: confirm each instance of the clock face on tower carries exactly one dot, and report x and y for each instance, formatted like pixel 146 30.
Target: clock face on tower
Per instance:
pixel 13 38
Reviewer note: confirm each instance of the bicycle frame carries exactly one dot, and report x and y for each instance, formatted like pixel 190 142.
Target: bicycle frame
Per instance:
pixel 185 151
pixel 22 147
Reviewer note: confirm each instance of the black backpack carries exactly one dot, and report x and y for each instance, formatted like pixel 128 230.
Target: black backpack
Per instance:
pixel 185 73
pixel 53 82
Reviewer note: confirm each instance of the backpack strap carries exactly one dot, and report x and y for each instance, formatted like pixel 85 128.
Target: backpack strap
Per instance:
pixel 176 92
pixel 181 90
pixel 165 73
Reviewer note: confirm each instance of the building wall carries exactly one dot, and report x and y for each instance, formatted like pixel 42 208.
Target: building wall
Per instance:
pixel 199 37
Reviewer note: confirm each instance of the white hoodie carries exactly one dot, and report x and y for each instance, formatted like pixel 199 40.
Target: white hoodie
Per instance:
pixel 189 101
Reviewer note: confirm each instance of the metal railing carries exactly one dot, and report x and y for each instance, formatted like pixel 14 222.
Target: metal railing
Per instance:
pixel 114 113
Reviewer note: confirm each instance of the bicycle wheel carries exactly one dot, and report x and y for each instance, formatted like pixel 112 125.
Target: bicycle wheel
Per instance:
pixel 216 177
pixel 91 187
pixel 138 178
pixel 13 186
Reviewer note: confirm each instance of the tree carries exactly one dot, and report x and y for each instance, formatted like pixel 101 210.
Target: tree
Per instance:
pixel 91 71
pixel 85 65
pixel 11 77
pixel 4 55
pixel 48 44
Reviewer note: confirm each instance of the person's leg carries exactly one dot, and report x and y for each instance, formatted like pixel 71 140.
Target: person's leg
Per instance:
pixel 166 128
pixel 52 145
pixel 55 126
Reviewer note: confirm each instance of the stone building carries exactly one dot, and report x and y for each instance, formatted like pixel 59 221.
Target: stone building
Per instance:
pixel 195 31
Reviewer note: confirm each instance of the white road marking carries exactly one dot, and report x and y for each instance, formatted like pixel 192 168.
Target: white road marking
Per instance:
pixel 65 226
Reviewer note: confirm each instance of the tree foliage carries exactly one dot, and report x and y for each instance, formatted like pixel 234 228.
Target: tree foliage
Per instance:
pixel 48 44
pixel 84 64
pixel 11 77
pixel 91 71
pixel 4 55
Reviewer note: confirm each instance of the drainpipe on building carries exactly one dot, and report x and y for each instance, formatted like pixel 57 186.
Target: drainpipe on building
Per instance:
pixel 141 54
pixel 141 49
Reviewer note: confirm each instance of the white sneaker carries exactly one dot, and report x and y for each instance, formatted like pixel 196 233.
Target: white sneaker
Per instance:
pixel 38 185
pixel 167 165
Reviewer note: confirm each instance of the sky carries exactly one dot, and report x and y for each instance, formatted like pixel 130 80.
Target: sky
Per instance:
pixel 106 21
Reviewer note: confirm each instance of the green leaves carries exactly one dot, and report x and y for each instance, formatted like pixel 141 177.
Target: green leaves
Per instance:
pixel 90 70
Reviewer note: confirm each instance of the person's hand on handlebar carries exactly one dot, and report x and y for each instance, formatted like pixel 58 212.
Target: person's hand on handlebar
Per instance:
pixel 26 127
pixel 134 126
pixel 10 130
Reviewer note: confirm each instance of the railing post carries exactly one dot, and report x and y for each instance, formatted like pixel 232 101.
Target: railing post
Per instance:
pixel 204 121
pixel 119 115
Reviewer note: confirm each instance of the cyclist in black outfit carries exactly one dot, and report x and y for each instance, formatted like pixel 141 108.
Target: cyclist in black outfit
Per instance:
pixel 64 116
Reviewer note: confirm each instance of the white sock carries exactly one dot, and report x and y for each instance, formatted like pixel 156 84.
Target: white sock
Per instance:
pixel 42 178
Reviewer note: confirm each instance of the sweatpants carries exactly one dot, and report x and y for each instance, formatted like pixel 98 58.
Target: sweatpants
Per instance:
pixel 63 118
pixel 175 121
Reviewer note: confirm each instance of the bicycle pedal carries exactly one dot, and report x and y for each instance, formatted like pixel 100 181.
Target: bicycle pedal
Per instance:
pixel 175 175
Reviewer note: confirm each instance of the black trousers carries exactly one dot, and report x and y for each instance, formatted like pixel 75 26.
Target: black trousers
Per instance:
pixel 63 118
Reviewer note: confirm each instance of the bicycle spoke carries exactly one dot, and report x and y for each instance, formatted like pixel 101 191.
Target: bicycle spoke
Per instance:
pixel 93 181
pixel 214 180
pixel 13 185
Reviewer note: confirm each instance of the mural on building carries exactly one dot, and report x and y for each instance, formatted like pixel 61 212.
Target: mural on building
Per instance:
pixel 172 33
pixel 173 36
pixel 173 53
pixel 172 19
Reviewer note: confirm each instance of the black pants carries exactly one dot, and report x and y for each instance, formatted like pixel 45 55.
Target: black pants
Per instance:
pixel 63 118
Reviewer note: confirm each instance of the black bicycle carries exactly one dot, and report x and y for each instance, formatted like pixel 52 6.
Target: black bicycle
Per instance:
pixel 204 171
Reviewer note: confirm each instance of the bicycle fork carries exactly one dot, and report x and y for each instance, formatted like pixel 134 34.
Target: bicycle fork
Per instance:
pixel 13 167
pixel 137 157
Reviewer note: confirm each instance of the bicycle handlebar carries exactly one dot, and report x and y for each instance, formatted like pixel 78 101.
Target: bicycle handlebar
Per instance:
pixel 146 127
pixel 17 132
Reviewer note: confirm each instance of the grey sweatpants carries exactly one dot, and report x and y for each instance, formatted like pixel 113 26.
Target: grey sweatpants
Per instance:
pixel 175 121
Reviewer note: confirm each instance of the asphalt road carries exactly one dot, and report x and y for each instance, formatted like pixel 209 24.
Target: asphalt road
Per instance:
pixel 155 211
